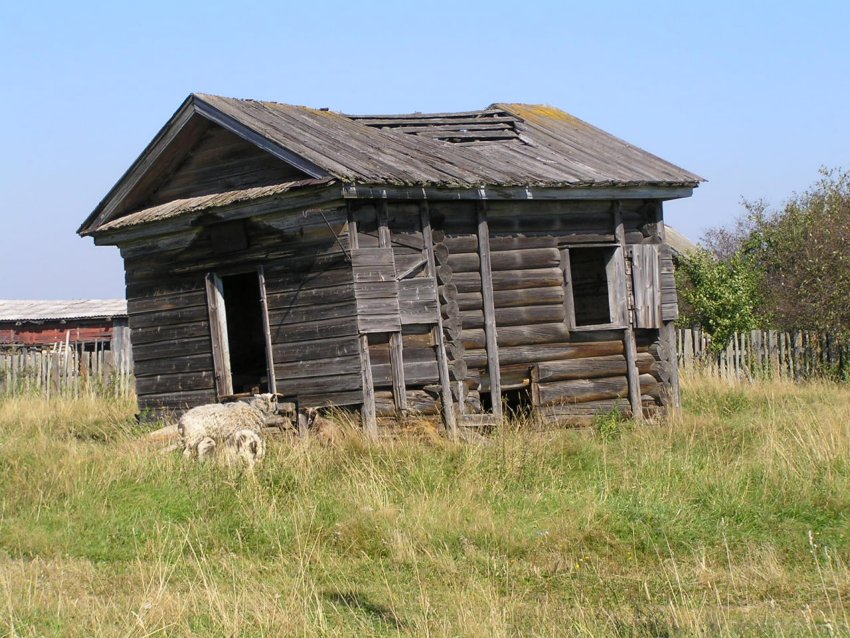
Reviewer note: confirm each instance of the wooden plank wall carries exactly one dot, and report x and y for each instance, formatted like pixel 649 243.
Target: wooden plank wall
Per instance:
pixel 310 300
pixel 414 305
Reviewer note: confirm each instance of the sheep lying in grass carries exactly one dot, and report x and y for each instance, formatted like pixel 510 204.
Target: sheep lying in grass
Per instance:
pixel 326 431
pixel 238 425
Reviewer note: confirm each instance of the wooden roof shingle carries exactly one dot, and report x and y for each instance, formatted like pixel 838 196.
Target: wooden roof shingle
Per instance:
pixel 504 145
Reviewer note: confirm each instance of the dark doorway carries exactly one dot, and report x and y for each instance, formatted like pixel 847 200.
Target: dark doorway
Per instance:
pixel 589 272
pixel 245 337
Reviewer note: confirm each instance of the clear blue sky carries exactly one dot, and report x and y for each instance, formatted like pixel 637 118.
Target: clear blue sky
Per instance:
pixel 753 96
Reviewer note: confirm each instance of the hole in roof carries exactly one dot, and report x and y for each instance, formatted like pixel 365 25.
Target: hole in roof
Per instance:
pixel 466 129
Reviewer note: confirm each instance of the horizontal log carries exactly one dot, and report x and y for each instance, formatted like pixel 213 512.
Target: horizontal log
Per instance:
pixel 530 354
pixel 418 402
pixel 513 298
pixel 510 279
pixel 588 408
pixel 506 317
pixel 592 367
pixel 519 335
pixel 533 258
pixel 469 243
pixel 582 390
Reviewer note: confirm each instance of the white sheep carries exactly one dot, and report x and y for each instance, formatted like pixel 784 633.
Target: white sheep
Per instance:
pixel 239 425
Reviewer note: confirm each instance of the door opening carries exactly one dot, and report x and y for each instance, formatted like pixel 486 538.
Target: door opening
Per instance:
pixel 245 334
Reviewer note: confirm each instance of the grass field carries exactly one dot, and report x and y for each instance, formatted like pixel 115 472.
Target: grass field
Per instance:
pixel 732 519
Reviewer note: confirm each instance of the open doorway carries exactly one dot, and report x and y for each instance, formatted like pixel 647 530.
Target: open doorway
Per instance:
pixel 245 335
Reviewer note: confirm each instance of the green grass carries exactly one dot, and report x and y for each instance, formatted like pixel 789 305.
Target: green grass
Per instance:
pixel 730 519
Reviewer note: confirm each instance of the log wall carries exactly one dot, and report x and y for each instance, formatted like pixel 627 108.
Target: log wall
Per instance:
pixel 568 374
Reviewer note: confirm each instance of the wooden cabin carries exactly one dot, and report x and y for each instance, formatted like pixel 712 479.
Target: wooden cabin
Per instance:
pixel 454 264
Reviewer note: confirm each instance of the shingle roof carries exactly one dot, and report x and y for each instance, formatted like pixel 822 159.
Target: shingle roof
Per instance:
pixel 504 145
pixel 27 310
pixel 535 145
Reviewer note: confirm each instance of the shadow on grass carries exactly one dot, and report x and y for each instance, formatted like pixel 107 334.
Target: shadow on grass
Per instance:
pixel 359 602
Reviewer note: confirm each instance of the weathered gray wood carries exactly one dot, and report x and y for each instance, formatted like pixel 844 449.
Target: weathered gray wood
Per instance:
pixel 530 354
pixel 218 335
pixel 321 348
pixel 179 382
pixel 668 335
pixel 396 343
pixel 489 311
pixel 523 259
pixel 519 335
pixel 592 367
pixel 512 298
pixel 509 279
pixel 448 411
pixel 646 286
pixel 632 374
pixel 526 316
pixel 368 414
pixel 582 390
pixel 188 363
pixel 267 335
pixel 469 243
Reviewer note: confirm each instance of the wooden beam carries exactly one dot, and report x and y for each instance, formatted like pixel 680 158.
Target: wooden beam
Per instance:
pixel 489 311
pixel 629 345
pixel 375 191
pixel 668 331
pixel 396 347
pixel 368 415
pixel 449 420
pixel 267 333
pixel 218 335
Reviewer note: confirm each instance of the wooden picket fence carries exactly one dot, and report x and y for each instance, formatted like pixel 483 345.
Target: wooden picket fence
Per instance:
pixel 796 355
pixel 66 370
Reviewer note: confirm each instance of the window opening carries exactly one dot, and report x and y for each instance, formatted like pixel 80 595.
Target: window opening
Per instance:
pixel 245 335
pixel 590 270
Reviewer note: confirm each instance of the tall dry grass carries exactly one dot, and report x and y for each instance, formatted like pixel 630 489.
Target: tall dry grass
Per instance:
pixel 728 519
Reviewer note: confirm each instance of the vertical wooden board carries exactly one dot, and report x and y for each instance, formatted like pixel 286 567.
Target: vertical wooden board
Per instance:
pixel 489 312
pixel 646 284
pixel 449 419
pixel 218 335
pixel 267 334
pixel 629 345
pixel 396 344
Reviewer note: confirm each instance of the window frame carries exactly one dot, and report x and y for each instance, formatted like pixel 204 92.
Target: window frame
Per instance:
pixel 615 273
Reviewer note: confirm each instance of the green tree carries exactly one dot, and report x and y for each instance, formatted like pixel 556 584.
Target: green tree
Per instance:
pixel 721 296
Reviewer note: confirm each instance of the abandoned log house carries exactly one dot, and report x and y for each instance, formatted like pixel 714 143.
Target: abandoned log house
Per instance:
pixel 454 264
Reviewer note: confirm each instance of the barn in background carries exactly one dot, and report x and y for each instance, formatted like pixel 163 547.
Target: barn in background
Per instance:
pixel 87 324
pixel 458 264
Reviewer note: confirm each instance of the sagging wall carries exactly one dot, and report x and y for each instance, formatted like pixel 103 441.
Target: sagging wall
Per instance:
pixel 309 294
pixel 397 305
